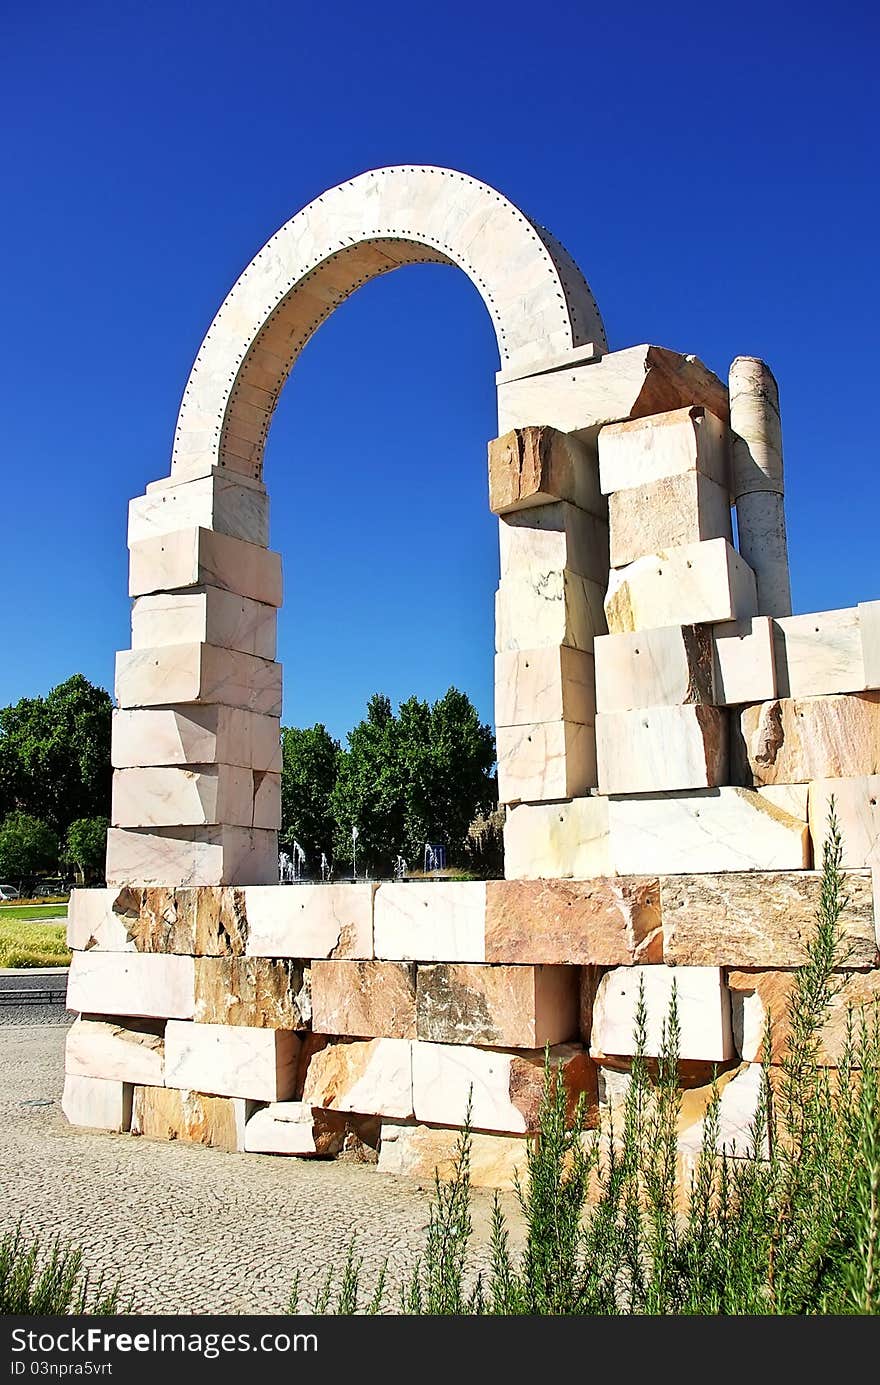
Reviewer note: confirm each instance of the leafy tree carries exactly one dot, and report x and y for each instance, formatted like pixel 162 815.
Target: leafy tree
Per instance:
pixel 86 846
pixel 416 777
pixel 27 847
pixel 55 754
pixel 308 777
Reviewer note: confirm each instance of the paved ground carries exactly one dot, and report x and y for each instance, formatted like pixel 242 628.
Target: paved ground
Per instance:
pixel 187 1229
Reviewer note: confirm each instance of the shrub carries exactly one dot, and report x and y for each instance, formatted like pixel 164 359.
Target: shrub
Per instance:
pixel 50 1282
pixel 790 1225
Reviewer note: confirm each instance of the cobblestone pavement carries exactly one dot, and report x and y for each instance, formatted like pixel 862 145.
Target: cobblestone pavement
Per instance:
pixel 188 1229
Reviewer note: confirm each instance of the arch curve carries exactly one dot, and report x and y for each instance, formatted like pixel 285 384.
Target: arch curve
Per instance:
pixel 540 303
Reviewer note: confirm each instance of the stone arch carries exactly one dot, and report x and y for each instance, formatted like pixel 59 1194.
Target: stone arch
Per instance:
pixel 540 304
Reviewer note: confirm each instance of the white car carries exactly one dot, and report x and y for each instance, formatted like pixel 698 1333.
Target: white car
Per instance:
pixel 8 892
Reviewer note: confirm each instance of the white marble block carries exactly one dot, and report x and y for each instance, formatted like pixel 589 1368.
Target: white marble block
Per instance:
pixel 194 735
pixel 708 830
pixel 97 1103
pixel 602 389
pixel 535 541
pixel 197 673
pixel 745 663
pixel 120 1050
pixel 293 1127
pixel 92 924
pixel 869 625
pixel 662 748
pixel 552 608
pixel 310 920
pixel 172 797
pixel 147 985
pixel 555 684
pixel 209 616
pixel 541 760
pixel 537 466
pixel 666 667
pixel 857 805
pixel 819 654
pixel 558 840
pixel 698 583
pixel 217 501
pixel 680 442
pixel 201 558
pixel 369 1076
pixel 502 1087
pixel 431 921
pixel 192 856
pixel 231 1060
pixel 703 1003
pixel 667 514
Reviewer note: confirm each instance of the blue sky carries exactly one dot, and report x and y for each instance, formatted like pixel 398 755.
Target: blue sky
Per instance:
pixel 712 169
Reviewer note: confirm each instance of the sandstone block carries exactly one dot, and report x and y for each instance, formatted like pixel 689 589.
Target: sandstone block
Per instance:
pixel 660 748
pixel 93 923
pixel 703 1011
pixel 536 466
pixel 755 994
pixel 96 1103
pixel 364 999
pixel 548 759
pixel 500 1006
pixel 554 608
pixel 633 383
pixel 129 1051
pixel 209 616
pixel 129 983
pixel 693 584
pixel 791 798
pixel 259 992
pixel 857 805
pixel 504 1089
pixel 199 557
pixel 197 673
pixel 431 921
pixel 310 920
pixel 231 1060
pixel 708 830
pixel 163 1113
pixel 544 685
pixel 681 442
pixel 209 921
pixel 557 840
pixel 196 736
pixel 210 502
pixel 667 667
pixel 605 922
pixel 373 1077
pixel 291 1127
pixel 420 1151
pixel 819 653
pixel 190 856
pixel 667 513
pixel 869 625
pixel 745 664
pixel 765 920
pixel 177 797
pixel 551 537
pixel 795 740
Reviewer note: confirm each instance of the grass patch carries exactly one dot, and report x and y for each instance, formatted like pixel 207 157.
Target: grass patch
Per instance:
pixel 32 911
pixel 25 944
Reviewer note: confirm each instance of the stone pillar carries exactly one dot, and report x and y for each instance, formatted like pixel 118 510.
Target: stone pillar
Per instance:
pixel 757 481
pixel 196 746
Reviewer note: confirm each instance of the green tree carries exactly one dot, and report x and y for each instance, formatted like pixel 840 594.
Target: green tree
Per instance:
pixel 417 777
pixel 86 846
pixel 27 847
pixel 308 777
pixel 55 754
